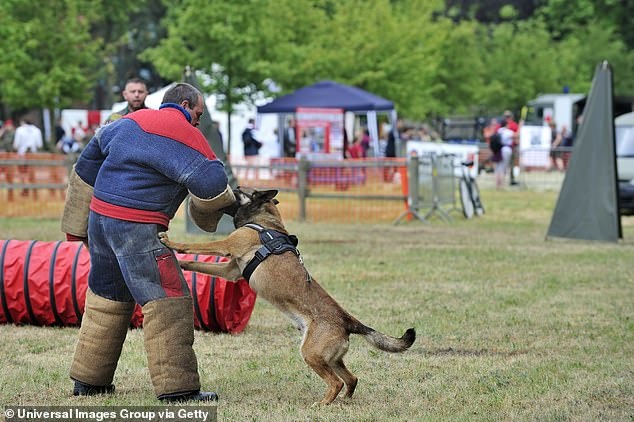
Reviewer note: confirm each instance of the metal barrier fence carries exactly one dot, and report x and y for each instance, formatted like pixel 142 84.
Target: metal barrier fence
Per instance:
pixel 361 190
pixel 431 187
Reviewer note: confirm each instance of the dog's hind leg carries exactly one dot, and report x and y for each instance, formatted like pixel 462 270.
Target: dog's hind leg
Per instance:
pixel 347 376
pixel 312 353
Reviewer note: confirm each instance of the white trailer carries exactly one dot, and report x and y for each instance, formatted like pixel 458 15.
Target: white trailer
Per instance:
pixel 535 134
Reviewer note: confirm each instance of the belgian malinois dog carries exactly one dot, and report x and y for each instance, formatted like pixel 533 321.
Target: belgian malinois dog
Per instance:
pixel 262 251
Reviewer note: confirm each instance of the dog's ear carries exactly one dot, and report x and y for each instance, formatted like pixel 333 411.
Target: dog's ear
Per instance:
pixel 266 195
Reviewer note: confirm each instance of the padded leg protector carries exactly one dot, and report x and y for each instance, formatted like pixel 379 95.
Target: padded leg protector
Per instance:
pixel 103 329
pixel 168 332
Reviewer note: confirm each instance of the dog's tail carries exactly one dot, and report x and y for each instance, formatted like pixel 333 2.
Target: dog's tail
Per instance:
pixel 383 341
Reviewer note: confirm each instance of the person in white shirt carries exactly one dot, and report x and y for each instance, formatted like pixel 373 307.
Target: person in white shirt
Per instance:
pixel 506 136
pixel 28 138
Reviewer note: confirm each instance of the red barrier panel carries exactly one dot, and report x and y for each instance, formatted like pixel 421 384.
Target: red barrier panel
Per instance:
pixel 44 283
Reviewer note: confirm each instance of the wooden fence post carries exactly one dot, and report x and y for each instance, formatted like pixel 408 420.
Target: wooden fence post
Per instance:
pixel 303 168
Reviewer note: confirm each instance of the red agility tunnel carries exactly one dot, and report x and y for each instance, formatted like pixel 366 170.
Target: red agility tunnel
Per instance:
pixel 44 283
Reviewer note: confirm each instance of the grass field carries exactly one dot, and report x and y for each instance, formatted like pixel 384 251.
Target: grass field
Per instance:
pixel 510 327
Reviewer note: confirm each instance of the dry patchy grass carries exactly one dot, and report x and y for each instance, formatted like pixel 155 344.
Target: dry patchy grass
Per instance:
pixel 511 327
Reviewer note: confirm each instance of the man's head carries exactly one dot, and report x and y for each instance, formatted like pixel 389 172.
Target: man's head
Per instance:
pixel 134 93
pixel 187 97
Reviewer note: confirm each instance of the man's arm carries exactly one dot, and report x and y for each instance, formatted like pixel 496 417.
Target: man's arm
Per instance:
pixel 80 191
pixel 209 194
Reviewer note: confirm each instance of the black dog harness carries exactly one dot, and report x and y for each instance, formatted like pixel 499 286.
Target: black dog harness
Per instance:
pixel 273 242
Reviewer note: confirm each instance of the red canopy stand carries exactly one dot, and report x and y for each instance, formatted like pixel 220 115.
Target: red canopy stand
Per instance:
pixel 44 283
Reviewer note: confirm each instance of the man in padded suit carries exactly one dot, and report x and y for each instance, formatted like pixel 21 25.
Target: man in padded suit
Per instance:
pixel 124 189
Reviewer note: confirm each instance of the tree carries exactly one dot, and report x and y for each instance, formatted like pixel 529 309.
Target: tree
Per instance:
pixel 127 28
pixel 461 69
pixel 48 53
pixel 392 50
pixel 231 42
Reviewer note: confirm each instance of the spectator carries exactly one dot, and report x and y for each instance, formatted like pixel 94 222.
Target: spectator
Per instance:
pixel 487 132
pixel 27 139
pixel 124 189
pixel 566 144
pixel 356 150
pixel 289 139
pixel 251 144
pixel 79 133
pixel 365 142
pixel 513 126
pixel 59 131
pixel 556 155
pixel 566 137
pixel 510 123
pixel 396 135
pixel 502 163
pixel 134 93
pixel 68 145
pixel 64 143
pixel 7 133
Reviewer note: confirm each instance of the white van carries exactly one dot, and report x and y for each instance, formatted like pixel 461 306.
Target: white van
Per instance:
pixel 624 127
pixel 624 133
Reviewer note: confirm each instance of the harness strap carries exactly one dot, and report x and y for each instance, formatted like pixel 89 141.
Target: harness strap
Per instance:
pixel 273 242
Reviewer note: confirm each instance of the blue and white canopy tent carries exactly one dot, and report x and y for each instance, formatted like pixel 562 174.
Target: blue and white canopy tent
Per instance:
pixel 330 94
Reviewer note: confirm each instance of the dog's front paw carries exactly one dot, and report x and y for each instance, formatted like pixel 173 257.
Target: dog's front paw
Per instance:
pixel 167 242
pixel 164 239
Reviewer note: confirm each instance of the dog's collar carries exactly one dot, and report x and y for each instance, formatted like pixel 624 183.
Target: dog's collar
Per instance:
pixel 273 242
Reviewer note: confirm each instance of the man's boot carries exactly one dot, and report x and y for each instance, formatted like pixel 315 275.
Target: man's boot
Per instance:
pixel 103 329
pixel 168 332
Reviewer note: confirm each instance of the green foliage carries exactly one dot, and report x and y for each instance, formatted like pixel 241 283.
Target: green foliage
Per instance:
pixel 229 41
pixel 520 62
pixel 460 69
pixel 48 52
pixel 427 58
pixel 405 51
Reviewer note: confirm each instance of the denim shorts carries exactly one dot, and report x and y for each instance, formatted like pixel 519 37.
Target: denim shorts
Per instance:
pixel 129 263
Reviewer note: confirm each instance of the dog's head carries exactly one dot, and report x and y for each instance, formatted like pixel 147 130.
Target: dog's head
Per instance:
pixel 253 206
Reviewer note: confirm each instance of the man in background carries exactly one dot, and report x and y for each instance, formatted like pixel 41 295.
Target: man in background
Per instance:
pixel 512 125
pixel 134 93
pixel 252 147
pixel 27 139
pixel 290 143
pixel 7 132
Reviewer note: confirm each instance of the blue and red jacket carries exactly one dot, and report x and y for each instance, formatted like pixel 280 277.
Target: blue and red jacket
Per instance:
pixel 143 165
